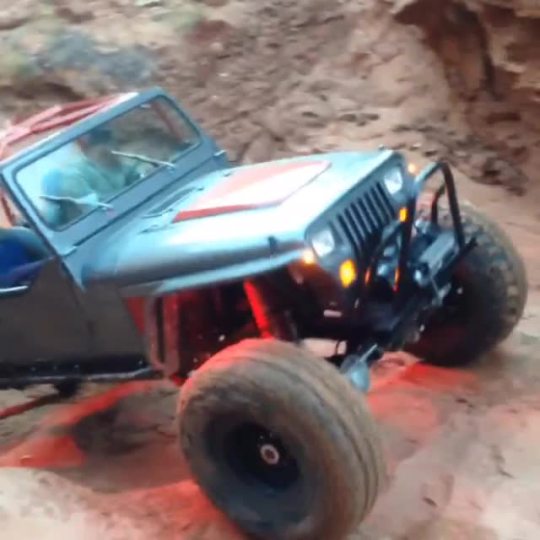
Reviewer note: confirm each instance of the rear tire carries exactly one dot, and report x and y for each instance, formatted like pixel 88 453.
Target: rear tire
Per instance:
pixel 281 442
pixel 493 285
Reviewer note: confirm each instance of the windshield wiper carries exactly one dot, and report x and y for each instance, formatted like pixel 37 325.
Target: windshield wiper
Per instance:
pixel 79 202
pixel 144 159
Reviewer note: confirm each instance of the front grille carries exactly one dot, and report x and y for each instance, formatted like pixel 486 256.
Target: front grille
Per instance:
pixel 363 218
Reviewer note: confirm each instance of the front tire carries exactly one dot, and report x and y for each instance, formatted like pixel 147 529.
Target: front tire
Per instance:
pixel 281 442
pixel 487 299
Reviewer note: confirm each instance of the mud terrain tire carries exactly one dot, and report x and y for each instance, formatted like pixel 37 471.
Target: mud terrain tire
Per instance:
pixel 281 442
pixel 493 284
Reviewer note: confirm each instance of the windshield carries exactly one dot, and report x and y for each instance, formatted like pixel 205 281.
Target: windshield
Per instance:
pixel 89 172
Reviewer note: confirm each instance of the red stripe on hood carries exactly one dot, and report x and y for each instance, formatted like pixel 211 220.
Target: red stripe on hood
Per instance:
pixel 254 187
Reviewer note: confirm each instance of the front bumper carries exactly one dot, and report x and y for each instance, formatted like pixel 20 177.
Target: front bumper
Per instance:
pixel 418 270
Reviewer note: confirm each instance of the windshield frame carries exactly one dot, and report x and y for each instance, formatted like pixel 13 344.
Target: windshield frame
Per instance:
pixel 63 139
pixel 96 221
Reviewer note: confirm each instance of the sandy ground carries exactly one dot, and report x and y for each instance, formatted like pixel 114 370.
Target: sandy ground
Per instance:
pixel 462 445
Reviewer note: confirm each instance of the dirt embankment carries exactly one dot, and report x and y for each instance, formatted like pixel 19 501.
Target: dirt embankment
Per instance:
pixel 489 49
pixel 281 77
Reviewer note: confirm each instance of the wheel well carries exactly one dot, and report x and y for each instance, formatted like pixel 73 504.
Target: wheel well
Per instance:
pixel 184 329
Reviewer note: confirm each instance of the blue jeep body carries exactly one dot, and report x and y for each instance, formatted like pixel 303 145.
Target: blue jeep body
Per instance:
pixel 118 279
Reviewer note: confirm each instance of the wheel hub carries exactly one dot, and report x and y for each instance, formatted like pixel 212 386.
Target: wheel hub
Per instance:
pixel 256 454
pixel 270 454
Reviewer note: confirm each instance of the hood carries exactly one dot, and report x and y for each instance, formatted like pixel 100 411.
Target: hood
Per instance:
pixel 254 187
pixel 221 222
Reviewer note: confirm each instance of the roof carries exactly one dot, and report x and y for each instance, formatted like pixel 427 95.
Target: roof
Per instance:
pixel 23 134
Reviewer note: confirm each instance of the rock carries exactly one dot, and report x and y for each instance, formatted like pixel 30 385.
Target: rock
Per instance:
pixel 494 166
pixel 11 19
pixel 518 149
pixel 348 117
pixel 495 117
pixel 215 3
pixel 275 123
pixel 400 6
pixel 184 16
pixel 66 60
pixel 358 117
pixel 399 146
pixel 464 400
pixel 262 148
pixel 479 158
pixel 346 110
pixel 74 11
pixel 308 110
pixel 148 3
pixel 217 48
pixel 500 462
pixel 205 32
pixel 409 10
pixel 490 168
pixel 438 491
pixel 402 128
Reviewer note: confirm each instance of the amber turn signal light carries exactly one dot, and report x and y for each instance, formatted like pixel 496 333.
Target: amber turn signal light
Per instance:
pixel 347 273
pixel 403 214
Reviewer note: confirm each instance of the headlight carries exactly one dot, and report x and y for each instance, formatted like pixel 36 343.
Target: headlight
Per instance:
pixel 394 180
pixel 323 242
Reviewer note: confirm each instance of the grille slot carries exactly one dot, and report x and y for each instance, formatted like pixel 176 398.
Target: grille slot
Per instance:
pixel 363 218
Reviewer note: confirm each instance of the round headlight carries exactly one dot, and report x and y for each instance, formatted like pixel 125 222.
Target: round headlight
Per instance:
pixel 323 242
pixel 394 180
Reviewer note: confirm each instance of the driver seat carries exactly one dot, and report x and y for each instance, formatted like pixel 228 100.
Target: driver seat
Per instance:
pixel 22 254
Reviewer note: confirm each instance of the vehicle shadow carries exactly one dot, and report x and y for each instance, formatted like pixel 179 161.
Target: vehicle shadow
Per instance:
pixel 124 437
pixel 113 440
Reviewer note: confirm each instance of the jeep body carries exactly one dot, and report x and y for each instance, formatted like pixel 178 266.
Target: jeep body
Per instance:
pixel 197 253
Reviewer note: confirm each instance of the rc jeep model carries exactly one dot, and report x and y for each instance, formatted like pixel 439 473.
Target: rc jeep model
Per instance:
pixel 132 248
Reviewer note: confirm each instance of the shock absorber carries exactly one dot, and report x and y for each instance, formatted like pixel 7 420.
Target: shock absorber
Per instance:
pixel 270 314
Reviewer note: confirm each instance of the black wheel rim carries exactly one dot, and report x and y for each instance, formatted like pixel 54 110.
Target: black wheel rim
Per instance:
pixel 256 456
